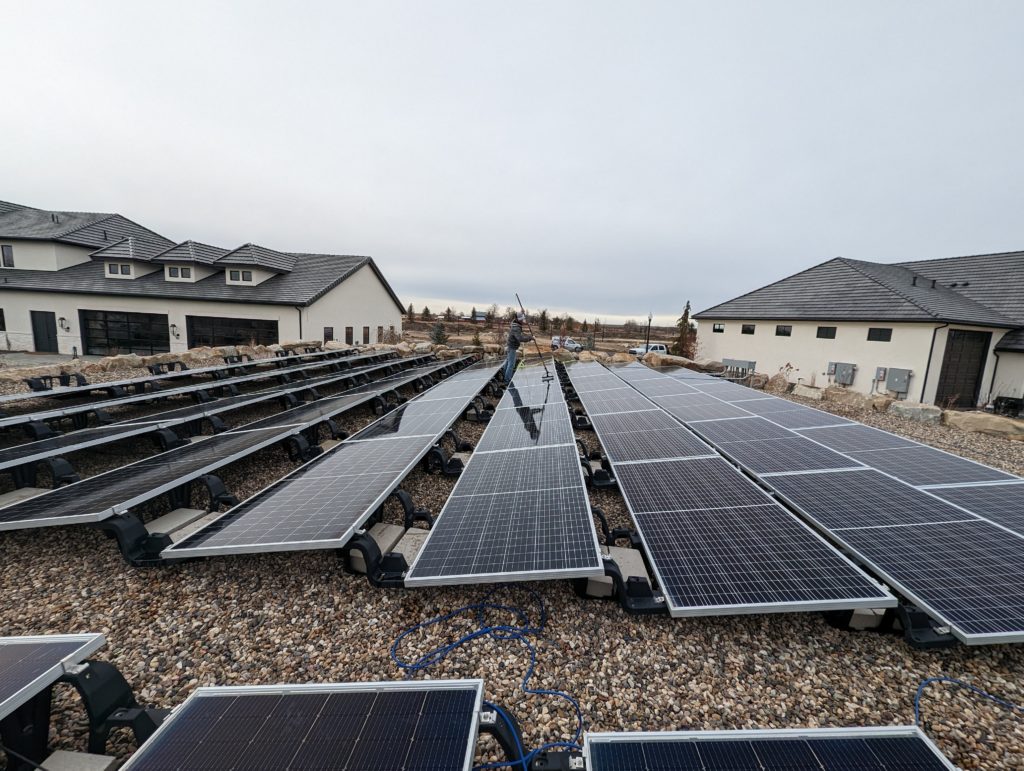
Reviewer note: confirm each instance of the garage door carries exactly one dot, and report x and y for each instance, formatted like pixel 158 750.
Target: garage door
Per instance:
pixel 211 330
pixel 108 333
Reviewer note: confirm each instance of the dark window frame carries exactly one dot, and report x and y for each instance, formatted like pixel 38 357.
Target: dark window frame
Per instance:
pixel 747 329
pixel 3 321
pixel 126 269
pixel 247 276
pixel 7 250
pixel 113 269
pixel 349 335
pixel 366 335
pixel 173 272
pixel 234 275
pixel 216 330
pixel 880 334
pixel 380 333
pixel 186 272
pixel 108 332
pixel 783 330
pixel 826 333
pixel 718 328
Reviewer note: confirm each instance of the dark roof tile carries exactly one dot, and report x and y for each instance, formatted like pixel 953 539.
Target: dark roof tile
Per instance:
pixel 253 255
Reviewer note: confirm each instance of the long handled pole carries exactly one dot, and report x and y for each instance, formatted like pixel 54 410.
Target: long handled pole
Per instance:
pixel 547 374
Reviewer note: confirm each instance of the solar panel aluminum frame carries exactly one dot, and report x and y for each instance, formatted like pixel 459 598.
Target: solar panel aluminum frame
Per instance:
pixel 762 734
pixel 836 536
pixel 305 688
pixel 150 493
pixel 90 643
pixel 335 543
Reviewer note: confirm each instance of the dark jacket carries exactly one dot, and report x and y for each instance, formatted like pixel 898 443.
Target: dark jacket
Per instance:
pixel 516 336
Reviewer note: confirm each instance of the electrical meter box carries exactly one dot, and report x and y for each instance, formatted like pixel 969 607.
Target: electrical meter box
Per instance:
pixel 880 374
pixel 831 368
pixel 739 364
pixel 844 373
pixel 898 380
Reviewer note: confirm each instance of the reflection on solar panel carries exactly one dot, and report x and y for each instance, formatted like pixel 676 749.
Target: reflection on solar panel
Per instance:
pixel 428 726
pixel 693 412
pixel 891 526
pixel 321 504
pixel 520 509
pixel 921 466
pixel 30 664
pixel 816 749
pixel 1003 504
pixel 104 495
pixel 716 542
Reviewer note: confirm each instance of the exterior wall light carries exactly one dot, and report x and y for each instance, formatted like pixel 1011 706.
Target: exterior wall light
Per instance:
pixel 174 331
pixel 63 322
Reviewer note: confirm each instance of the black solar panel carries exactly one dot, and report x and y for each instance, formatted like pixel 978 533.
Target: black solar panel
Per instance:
pixel 968 573
pixel 805 417
pixel 1003 504
pixel 649 420
pixel 663 386
pixel 740 430
pixel 682 400
pixel 678 485
pixel 651 445
pixel 812 750
pixel 415 419
pixel 920 466
pixel 770 456
pixel 355 727
pixel 694 412
pixel 845 499
pixel 527 427
pixel 854 437
pixel 771 405
pixel 745 557
pixel 30 664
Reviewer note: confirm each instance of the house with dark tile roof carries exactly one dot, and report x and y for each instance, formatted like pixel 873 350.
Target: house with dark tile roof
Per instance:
pixel 947 331
pixel 83 282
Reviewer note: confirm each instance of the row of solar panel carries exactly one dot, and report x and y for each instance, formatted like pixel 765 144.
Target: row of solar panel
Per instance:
pixel 427 726
pixel 322 503
pixel 104 495
pixel 933 525
pixel 716 541
pixel 520 509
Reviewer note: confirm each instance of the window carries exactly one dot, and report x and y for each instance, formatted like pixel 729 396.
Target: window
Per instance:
pixel 126 270
pixel 3 321
pixel 246 275
pixel 212 330
pixel 105 333
pixel 783 330
pixel 8 254
pixel 173 272
pixel 112 269
pixel 235 275
pixel 348 335
pixel 718 327
pixel 366 335
pixel 380 334
pixel 186 272
pixel 880 334
pixel 328 334
pixel 747 329
pixel 827 333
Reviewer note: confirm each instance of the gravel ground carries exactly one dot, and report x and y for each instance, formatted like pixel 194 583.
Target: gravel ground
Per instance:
pixel 298 618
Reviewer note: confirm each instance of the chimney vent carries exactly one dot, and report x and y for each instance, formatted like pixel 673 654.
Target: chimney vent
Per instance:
pixel 913 280
pixel 933 283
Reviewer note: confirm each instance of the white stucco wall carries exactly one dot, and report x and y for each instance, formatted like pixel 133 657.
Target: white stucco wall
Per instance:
pixel 1009 377
pixel 45 255
pixel 359 301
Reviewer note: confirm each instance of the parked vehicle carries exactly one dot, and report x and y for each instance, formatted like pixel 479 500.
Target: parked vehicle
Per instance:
pixel 565 342
pixel 640 350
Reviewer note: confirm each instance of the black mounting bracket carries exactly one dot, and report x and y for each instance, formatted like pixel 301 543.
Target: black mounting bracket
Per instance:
pixel 289 400
pixel 299 448
pixel 412 512
pixel 27 731
pixel 581 421
pixel 918 629
pixel 599 513
pixel 385 571
pixel 460 444
pixel 437 461
pixel 335 430
pixel 137 546
pixel 479 411
pixel 218 425
pixel 558 760
pixel 634 594
pixel 601 477
pixel 166 439
pixel 37 429
pixel 63 473
pixel 509 737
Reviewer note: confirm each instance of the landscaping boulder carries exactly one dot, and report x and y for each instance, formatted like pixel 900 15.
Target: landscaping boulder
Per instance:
pixel 563 355
pixel 922 413
pixel 652 359
pixel 984 423
pixel 758 381
pixel 404 349
pixel 623 357
pixel 449 353
pixel 423 348
pixel 472 349
pixel 492 348
pixel 124 361
pixel 881 403
pixel 808 392
pixel 846 397
pixel 777 384
pixel 593 356
pixel 336 345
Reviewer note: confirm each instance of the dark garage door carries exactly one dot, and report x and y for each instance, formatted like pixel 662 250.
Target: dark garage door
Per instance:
pixel 107 333
pixel 962 368
pixel 210 330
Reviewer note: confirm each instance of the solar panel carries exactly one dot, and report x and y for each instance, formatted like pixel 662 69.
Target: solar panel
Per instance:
pixel 770 405
pixel 322 503
pixel 921 466
pixel 967 573
pixel 654 420
pixel 853 438
pixel 771 456
pixel 627 447
pixel 527 427
pixel 851 499
pixel 740 430
pixel 1000 503
pixel 694 412
pixel 517 512
pixel 29 664
pixel 805 417
pixel 814 749
pixel 428 726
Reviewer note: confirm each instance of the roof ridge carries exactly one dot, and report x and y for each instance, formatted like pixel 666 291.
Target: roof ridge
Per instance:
pixel 956 257
pixel 894 290
pixel 773 283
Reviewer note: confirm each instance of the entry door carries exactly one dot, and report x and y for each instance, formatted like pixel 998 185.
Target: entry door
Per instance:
pixel 962 368
pixel 44 331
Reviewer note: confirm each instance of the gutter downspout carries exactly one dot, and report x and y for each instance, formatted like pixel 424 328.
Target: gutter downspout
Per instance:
pixel 928 366
pixel 995 371
pixel 299 309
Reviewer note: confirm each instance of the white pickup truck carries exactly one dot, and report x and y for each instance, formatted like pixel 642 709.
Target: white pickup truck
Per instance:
pixel 640 350
pixel 565 342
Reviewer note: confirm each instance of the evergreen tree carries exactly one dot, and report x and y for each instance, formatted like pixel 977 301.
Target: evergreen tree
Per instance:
pixel 448 313
pixel 584 328
pixel 684 343
pixel 411 313
pixel 543 322
pixel 437 334
pixel 425 315
pixel 570 323
pixel 476 338
pixel 472 315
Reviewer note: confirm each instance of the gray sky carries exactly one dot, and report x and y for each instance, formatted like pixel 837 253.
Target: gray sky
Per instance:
pixel 606 158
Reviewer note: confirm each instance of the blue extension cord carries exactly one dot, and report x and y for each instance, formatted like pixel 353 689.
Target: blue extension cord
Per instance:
pixel 961 684
pixel 519 633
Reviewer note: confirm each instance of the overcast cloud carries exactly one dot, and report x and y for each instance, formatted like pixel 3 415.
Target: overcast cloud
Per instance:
pixel 608 158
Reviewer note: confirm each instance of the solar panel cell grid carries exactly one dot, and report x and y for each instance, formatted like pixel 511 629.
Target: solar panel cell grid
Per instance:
pixel 651 445
pixel 920 466
pixel 717 411
pixel 805 417
pixel 680 485
pixel 770 456
pixel 527 427
pixel 653 420
pixel 1002 504
pixel 740 430
pixel 853 438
